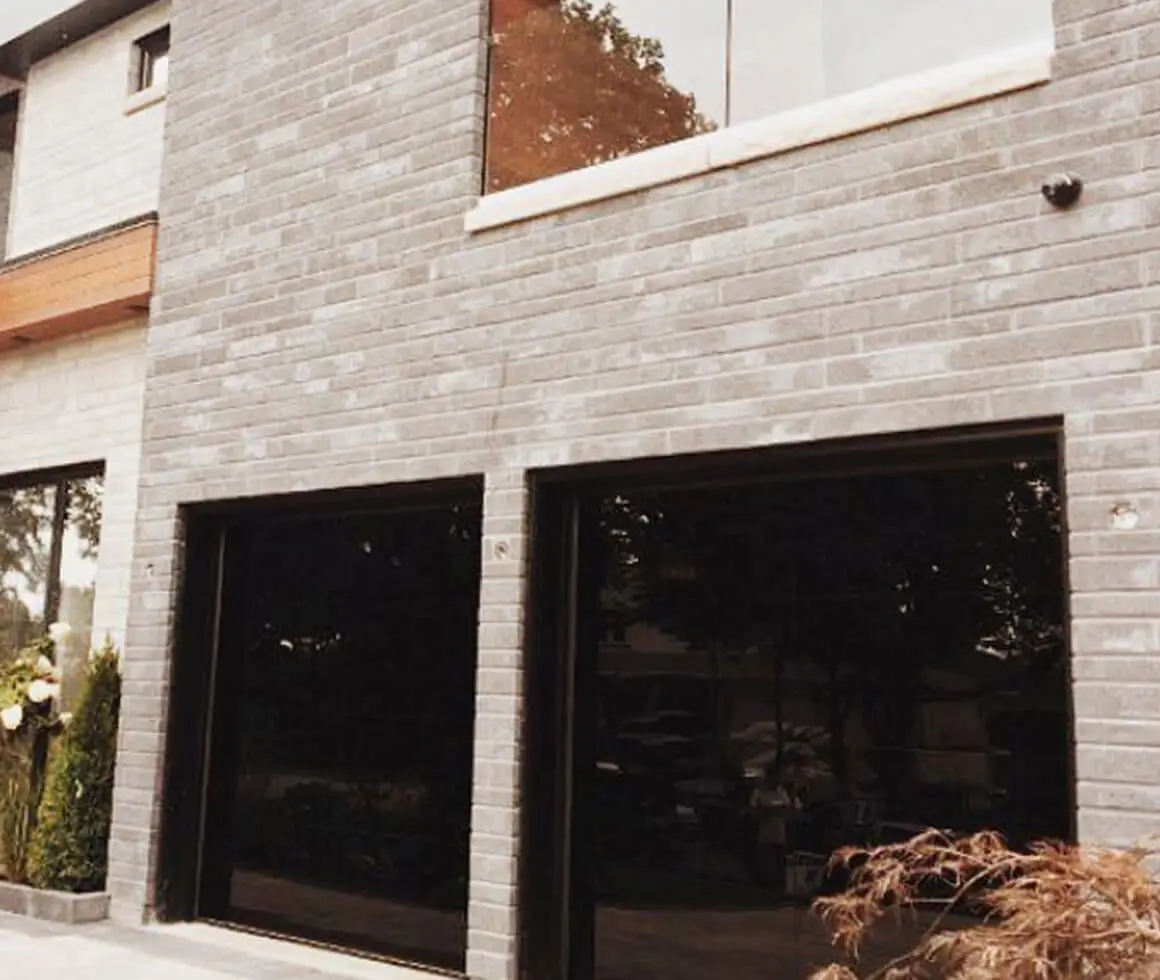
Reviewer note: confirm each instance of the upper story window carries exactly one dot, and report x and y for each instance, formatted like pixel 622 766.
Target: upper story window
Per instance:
pixel 573 84
pixel 8 115
pixel 152 61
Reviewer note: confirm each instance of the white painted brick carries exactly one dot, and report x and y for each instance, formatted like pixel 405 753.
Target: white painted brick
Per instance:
pixel 75 402
pixel 82 163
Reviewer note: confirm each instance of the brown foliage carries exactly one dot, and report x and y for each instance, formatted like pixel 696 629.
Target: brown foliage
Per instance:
pixel 1052 913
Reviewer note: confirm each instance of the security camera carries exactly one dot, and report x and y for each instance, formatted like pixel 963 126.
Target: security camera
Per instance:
pixel 1062 190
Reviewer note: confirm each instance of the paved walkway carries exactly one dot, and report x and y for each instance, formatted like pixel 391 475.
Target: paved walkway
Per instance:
pixel 183 952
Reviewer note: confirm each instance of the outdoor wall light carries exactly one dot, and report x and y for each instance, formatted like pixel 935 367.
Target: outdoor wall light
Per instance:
pixel 1125 517
pixel 1062 190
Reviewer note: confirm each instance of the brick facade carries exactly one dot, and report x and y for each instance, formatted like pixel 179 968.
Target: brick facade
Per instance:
pixel 322 319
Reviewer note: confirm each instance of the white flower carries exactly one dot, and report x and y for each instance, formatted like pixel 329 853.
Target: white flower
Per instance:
pixel 64 718
pixel 46 669
pixel 11 717
pixel 59 632
pixel 41 691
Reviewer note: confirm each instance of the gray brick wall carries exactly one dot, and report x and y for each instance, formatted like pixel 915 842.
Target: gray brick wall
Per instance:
pixel 321 318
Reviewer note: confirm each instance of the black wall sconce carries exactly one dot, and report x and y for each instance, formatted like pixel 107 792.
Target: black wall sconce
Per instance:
pixel 1063 190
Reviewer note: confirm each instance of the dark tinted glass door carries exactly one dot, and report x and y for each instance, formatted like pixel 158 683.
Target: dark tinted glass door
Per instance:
pixel 341 740
pixel 762 671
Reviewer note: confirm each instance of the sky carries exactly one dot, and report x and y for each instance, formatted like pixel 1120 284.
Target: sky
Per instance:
pixel 19 16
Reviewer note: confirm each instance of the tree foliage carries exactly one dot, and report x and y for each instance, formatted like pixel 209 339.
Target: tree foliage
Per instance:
pixel 571 86
pixel 70 844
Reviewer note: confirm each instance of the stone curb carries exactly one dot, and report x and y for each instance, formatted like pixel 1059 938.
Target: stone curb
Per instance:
pixel 61 907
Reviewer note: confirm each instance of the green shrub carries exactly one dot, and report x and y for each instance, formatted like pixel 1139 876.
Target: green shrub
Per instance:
pixel 70 843
pixel 18 799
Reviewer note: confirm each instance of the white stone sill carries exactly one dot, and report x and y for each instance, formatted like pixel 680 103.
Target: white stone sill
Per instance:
pixel 871 108
pixel 139 101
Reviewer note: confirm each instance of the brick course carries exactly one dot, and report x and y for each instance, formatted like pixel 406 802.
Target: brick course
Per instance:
pixel 322 319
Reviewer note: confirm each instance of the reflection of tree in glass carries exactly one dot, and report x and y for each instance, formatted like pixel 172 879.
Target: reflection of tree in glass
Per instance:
pixel 85 501
pixel 572 87
pixel 969 561
pixel 17 625
pixel 25 527
pixel 883 586
pixel 25 537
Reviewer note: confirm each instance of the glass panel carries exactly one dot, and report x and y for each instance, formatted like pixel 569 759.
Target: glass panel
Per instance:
pixel 25 557
pixel 776 57
pixel 871 42
pixel 153 55
pixel 789 53
pixel 78 578
pixel 574 84
pixel 785 669
pixel 159 70
pixel 348 661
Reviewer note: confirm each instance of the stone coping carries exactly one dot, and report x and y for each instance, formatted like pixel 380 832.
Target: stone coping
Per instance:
pixel 63 907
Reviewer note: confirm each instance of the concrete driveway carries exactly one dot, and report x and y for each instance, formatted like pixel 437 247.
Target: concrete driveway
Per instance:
pixel 184 952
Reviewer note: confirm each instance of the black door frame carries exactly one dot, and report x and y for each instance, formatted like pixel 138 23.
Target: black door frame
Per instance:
pixel 557 645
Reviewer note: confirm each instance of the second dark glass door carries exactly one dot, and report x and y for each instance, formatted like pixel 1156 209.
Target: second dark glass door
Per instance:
pixel 340 757
pixel 751 673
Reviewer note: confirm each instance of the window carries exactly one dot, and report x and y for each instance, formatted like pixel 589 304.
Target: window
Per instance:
pixel 8 110
pixel 152 61
pixel 50 529
pixel 575 83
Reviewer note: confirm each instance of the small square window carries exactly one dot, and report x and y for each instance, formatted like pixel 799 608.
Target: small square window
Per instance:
pixel 152 60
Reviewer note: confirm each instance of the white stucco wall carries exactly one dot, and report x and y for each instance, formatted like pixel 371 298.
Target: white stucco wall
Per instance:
pixel 80 401
pixel 84 162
